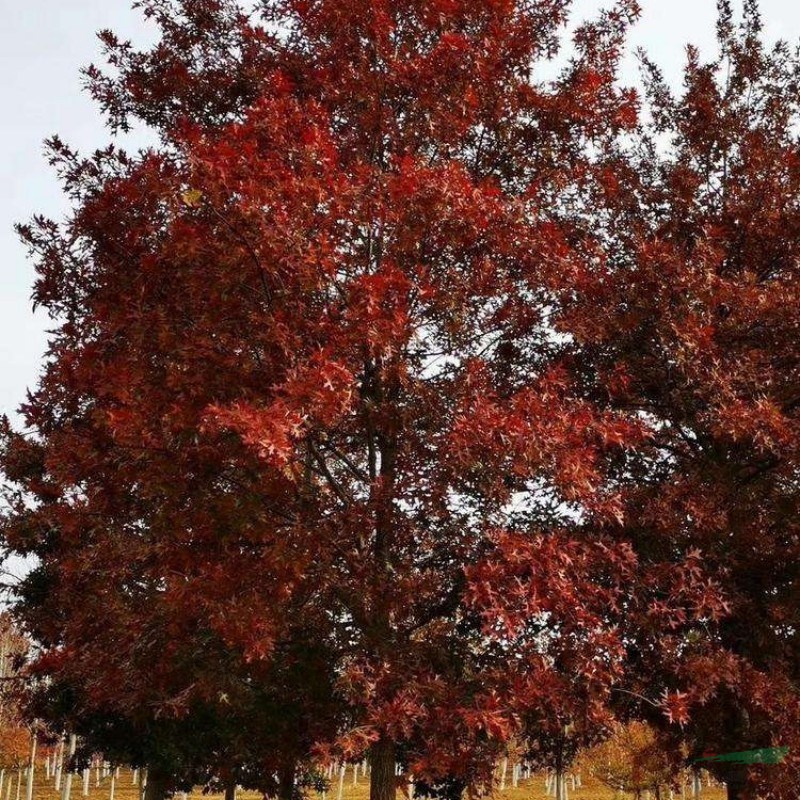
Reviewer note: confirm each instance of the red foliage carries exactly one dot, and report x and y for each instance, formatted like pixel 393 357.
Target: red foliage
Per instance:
pixel 693 326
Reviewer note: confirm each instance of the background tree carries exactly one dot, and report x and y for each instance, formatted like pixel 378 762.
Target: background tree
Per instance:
pixel 693 326
pixel 123 688
pixel 632 761
pixel 304 361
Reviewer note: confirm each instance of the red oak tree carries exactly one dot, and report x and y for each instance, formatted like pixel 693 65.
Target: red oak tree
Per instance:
pixel 304 362
pixel 693 324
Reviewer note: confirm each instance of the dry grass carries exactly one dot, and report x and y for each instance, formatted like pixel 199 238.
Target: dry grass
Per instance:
pixel 533 789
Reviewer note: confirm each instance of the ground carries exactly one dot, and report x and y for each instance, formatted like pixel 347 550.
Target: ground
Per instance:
pixel 533 789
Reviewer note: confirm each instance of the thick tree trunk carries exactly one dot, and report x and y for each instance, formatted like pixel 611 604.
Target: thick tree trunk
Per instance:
pixel 230 790
pixel 736 784
pixel 286 781
pixel 382 785
pixel 157 785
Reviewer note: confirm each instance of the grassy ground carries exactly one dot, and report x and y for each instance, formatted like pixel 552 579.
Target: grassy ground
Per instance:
pixel 533 789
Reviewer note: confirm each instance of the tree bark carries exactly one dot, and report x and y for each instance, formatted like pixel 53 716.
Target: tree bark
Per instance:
pixel 736 784
pixel 230 790
pixel 382 784
pixel 286 778
pixel 157 785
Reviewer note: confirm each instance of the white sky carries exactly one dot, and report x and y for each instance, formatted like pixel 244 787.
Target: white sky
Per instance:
pixel 43 43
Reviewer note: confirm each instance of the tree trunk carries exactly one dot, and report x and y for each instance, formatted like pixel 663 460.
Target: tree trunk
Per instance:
pixel 382 777
pixel 286 778
pixel 31 765
pixel 736 781
pixel 560 785
pixel 157 783
pixel 230 790
pixel 340 794
pixel 59 764
pixel 66 789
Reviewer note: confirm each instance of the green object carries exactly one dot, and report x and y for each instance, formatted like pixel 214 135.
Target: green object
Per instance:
pixel 766 755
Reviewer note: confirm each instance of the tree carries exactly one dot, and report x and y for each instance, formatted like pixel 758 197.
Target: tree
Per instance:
pixel 304 362
pixel 121 685
pixel 694 326
pixel 632 760
pixel 16 753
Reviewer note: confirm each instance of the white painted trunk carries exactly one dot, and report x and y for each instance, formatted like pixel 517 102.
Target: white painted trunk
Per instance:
pixel 113 786
pixel 31 764
pixel 561 787
pixel 59 765
pixel 341 783
pixel 67 787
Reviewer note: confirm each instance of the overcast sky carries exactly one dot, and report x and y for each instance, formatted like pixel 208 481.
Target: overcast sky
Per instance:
pixel 43 44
